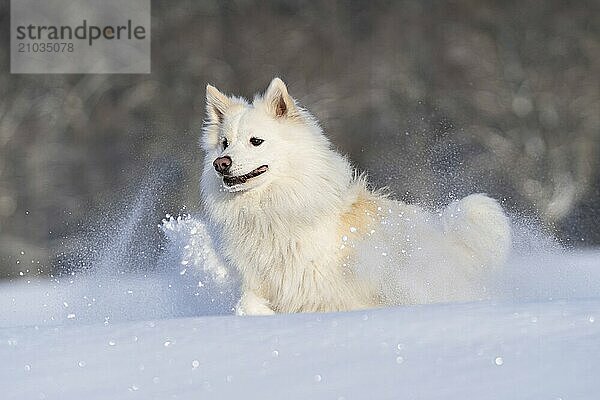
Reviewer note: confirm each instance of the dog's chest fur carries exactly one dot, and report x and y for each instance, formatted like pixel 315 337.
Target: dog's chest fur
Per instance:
pixel 299 263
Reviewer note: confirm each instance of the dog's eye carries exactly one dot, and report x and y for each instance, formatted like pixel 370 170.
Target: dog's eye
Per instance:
pixel 225 144
pixel 256 141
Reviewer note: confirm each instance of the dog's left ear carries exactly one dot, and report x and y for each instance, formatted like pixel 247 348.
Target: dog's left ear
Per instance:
pixel 279 102
pixel 216 104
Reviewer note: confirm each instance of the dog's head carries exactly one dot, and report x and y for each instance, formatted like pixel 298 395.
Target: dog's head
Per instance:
pixel 251 145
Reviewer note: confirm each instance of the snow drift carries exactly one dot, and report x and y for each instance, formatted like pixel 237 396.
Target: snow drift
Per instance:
pixel 102 333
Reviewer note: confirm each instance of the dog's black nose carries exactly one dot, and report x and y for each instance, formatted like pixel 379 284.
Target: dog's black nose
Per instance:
pixel 222 164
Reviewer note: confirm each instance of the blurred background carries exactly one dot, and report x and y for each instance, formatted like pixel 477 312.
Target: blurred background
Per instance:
pixel 433 99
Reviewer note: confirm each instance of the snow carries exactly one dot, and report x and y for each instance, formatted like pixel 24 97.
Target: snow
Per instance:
pixel 170 334
pixel 477 350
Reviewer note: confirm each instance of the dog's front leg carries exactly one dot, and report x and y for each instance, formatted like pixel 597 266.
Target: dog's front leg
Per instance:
pixel 252 304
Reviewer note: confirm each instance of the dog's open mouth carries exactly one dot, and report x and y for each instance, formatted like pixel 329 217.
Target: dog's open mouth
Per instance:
pixel 237 180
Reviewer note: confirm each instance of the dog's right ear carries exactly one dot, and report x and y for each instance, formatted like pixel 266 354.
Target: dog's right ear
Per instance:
pixel 279 103
pixel 216 105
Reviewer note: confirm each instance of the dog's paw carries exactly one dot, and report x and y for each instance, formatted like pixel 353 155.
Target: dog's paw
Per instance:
pixel 251 304
pixel 479 223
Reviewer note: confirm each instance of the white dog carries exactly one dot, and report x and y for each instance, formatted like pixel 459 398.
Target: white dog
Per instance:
pixel 306 234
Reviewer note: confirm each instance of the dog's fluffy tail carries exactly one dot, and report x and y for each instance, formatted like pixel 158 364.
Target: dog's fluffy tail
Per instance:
pixel 479 223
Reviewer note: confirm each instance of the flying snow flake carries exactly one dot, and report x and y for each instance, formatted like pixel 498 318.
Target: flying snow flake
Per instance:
pixel 195 364
pixel 168 342
pixel 318 378
pixel 399 360
pixel 591 319
pixel 498 361
pixel 81 364
pixel 112 343
pixel 71 316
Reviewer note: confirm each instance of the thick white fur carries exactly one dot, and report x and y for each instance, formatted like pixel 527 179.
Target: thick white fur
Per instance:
pixel 299 234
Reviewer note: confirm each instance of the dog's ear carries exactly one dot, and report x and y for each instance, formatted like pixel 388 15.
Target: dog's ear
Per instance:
pixel 216 104
pixel 279 102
